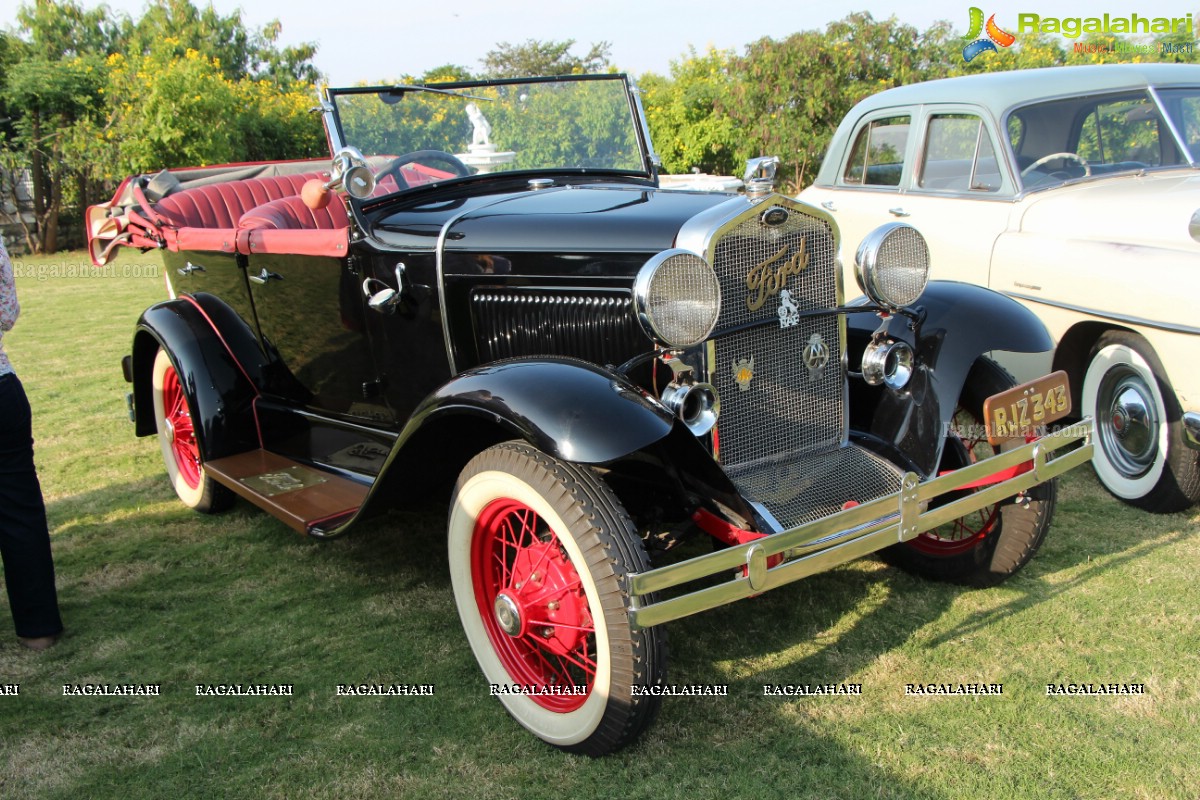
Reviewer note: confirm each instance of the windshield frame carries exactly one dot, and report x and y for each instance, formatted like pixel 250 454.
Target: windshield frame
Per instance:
pixel 647 170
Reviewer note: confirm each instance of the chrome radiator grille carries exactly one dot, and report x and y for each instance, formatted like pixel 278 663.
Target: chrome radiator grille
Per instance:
pixel 595 325
pixel 784 407
pixel 782 433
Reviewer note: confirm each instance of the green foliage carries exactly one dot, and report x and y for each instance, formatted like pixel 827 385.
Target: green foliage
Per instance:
pixel 786 96
pixel 690 115
pixel 63 29
pixel 172 122
pixel 238 51
pixel 534 58
pixel 94 96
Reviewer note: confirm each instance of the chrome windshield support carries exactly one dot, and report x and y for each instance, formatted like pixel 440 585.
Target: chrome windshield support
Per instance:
pixel 825 543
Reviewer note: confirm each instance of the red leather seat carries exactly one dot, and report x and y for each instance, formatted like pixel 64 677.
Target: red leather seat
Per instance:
pixel 221 205
pixel 290 213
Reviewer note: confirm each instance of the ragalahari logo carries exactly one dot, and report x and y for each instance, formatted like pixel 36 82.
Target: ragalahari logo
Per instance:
pixel 981 44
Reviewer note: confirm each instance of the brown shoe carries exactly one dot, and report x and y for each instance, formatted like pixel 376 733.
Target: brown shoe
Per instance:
pixel 39 642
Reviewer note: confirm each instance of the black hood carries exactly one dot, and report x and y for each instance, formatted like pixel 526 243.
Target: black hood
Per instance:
pixel 585 219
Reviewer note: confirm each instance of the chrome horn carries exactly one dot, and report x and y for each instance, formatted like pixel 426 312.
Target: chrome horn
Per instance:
pixel 889 362
pixel 696 404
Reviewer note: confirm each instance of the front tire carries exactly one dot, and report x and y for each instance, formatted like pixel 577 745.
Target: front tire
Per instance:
pixel 540 553
pixel 177 440
pixel 1140 455
pixel 990 545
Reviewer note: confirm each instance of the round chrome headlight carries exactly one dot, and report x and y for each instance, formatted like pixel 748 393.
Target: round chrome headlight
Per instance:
pixel 892 265
pixel 678 298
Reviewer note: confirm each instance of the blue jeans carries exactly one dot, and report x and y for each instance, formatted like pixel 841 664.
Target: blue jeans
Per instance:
pixel 24 536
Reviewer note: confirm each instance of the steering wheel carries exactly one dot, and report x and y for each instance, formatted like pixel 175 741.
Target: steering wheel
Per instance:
pixel 460 169
pixel 1087 168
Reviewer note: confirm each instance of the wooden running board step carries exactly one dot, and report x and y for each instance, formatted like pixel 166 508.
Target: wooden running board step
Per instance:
pixel 299 495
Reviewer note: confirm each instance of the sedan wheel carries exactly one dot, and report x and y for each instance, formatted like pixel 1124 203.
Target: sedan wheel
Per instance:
pixel 1140 455
pixel 540 551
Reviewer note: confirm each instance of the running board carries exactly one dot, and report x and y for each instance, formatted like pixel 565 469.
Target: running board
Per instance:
pixel 301 496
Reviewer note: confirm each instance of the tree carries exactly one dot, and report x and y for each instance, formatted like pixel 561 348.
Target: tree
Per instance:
pixel 239 51
pixel 689 115
pixel 535 58
pixel 92 96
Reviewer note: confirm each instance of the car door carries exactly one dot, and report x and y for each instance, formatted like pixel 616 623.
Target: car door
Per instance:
pixel 867 190
pixel 310 312
pixel 953 184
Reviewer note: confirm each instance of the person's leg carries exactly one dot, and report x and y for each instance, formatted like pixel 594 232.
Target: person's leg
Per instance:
pixel 24 537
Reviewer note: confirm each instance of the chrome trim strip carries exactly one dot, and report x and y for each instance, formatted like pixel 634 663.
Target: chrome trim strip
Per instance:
pixel 852 533
pixel 1191 429
pixel 1162 326
pixel 655 163
pixel 439 251
pixel 1180 142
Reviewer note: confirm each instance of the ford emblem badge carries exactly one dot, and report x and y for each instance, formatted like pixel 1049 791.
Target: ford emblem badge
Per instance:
pixel 774 216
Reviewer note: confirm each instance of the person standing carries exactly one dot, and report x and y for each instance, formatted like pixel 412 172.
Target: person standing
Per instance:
pixel 24 534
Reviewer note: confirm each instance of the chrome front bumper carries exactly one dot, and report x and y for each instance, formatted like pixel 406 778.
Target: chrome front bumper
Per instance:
pixel 825 543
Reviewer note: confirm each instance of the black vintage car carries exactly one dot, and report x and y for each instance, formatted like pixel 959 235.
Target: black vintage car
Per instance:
pixel 488 294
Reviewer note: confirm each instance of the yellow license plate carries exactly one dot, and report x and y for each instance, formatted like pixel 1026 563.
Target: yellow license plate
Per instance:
pixel 1019 411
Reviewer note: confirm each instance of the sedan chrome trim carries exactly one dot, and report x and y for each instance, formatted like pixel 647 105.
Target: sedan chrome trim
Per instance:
pixel 1125 318
pixel 854 532
pixel 1191 429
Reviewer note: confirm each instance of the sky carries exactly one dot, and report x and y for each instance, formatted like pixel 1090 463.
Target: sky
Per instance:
pixel 374 40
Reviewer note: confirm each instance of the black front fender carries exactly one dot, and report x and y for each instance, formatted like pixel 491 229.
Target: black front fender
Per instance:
pixel 219 391
pixel 961 323
pixel 570 409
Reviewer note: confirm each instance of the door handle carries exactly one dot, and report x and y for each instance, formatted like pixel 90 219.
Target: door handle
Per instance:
pixel 898 212
pixel 385 299
pixel 264 276
pixel 190 269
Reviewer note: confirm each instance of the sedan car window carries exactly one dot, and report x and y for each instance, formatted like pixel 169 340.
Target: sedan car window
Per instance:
pixel 877 158
pixel 959 155
pixel 1122 131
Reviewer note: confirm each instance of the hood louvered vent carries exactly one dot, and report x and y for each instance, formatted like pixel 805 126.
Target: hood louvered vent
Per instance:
pixel 595 325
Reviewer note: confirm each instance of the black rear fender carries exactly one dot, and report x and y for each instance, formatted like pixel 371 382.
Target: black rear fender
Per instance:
pixel 219 388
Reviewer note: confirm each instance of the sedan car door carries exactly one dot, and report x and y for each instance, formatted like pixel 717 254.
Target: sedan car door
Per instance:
pixel 952 184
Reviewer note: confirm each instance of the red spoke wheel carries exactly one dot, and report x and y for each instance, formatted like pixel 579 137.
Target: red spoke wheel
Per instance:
pixel 993 543
pixel 540 551
pixel 177 439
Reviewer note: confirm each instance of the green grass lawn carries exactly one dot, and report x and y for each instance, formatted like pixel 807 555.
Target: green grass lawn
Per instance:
pixel 152 593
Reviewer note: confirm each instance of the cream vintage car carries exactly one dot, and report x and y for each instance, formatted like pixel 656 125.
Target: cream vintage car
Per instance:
pixel 1076 191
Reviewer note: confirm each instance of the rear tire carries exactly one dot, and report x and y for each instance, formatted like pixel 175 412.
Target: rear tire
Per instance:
pixel 1140 454
pixel 177 440
pixel 988 546
pixel 540 553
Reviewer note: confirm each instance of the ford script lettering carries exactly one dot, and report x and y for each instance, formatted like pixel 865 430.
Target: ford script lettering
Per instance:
pixel 768 277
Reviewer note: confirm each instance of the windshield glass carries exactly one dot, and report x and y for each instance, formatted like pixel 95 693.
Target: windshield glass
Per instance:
pixel 1103 135
pixel 416 135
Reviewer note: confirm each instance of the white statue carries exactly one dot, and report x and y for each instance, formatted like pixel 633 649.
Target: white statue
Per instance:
pixel 483 128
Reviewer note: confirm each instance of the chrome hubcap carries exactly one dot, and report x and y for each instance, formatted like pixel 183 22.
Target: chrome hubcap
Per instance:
pixel 1129 422
pixel 508 614
pixel 169 431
